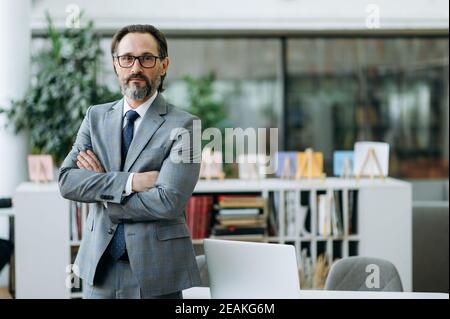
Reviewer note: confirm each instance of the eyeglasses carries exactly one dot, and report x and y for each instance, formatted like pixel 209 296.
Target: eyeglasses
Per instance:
pixel 146 60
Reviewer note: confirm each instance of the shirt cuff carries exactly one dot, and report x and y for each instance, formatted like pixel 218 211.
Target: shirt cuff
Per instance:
pixel 128 187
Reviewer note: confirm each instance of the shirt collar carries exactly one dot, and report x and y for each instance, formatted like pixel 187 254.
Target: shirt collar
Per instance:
pixel 141 109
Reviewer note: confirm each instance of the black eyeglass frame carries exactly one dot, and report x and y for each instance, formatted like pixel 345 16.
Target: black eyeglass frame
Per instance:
pixel 139 59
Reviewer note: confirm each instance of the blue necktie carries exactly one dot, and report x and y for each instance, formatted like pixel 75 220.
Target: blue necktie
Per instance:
pixel 118 246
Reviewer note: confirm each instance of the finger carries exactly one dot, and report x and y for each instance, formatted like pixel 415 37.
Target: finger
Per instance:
pixel 82 162
pixel 85 162
pixel 91 162
pixel 81 165
pixel 94 157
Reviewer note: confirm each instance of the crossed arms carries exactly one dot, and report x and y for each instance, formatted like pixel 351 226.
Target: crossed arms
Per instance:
pixel 82 178
pixel 140 181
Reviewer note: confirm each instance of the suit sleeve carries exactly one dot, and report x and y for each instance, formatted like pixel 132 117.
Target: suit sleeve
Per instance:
pixel 86 186
pixel 173 188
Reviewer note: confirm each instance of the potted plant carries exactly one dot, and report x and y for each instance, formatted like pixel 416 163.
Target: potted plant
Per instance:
pixel 62 88
pixel 210 109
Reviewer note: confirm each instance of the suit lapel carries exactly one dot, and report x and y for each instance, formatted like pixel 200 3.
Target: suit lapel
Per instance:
pixel 113 135
pixel 150 123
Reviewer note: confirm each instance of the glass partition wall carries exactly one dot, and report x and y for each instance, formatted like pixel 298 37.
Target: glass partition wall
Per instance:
pixel 395 90
pixel 324 92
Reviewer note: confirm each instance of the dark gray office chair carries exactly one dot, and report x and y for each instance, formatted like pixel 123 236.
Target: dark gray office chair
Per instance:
pixel 203 267
pixel 6 246
pixel 352 273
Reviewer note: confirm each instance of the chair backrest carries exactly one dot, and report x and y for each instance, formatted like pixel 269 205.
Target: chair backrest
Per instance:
pixel 6 249
pixel 203 268
pixel 363 274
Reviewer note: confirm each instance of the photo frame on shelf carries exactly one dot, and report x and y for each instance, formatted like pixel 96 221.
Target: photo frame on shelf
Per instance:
pixel 309 164
pixel 371 159
pixel 343 162
pixel 252 166
pixel 40 168
pixel 286 164
pixel 211 165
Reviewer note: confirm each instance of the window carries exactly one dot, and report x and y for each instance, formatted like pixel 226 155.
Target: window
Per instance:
pixel 247 76
pixel 343 90
pixel 335 91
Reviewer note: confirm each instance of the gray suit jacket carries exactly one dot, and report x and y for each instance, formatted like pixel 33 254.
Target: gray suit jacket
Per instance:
pixel 157 238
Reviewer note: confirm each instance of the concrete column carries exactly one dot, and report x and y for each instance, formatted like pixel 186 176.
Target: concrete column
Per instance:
pixel 15 37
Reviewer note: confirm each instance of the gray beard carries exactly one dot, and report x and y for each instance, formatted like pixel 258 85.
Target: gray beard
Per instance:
pixel 136 93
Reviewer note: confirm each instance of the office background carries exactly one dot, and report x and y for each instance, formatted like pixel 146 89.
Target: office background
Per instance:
pixel 311 68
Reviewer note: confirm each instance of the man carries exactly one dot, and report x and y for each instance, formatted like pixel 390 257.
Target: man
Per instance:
pixel 136 243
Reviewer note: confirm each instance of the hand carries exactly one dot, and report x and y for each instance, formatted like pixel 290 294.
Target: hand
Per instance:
pixel 143 181
pixel 88 160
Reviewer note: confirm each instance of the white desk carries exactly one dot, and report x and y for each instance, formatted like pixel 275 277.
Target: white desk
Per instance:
pixel 203 293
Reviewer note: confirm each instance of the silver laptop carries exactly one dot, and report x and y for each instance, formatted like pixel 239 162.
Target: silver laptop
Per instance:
pixel 246 270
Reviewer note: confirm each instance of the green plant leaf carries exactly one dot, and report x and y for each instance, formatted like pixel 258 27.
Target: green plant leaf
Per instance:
pixel 64 86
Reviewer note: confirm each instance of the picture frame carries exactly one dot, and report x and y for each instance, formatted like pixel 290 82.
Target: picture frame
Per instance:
pixel 40 168
pixel 310 164
pixel 211 165
pixel 343 162
pixel 252 166
pixel 286 164
pixel 371 159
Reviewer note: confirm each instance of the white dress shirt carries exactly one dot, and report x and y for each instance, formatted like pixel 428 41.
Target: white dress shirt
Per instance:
pixel 141 110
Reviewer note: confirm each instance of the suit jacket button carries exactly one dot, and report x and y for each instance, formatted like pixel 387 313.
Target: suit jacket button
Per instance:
pixel 111 231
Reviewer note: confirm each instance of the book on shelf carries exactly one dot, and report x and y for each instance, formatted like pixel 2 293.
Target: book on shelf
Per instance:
pixel 352 211
pixel 239 211
pixel 290 208
pixel 273 213
pixel 240 215
pixel 198 211
pixel 305 198
pixel 251 238
pixel 336 214
pixel 243 222
pixel 78 213
pixel 73 222
pixel 79 220
pixel 260 217
pixel 241 201
pixel 323 215
pixel 295 216
pixel 329 214
pixel 237 230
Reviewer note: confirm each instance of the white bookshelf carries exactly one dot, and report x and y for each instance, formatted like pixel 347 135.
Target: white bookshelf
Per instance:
pixel 43 241
pixel 384 217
